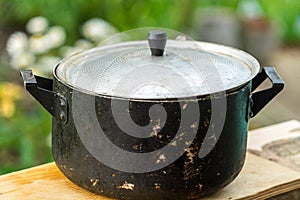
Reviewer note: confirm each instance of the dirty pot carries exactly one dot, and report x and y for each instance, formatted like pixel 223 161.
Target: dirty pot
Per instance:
pixel 165 122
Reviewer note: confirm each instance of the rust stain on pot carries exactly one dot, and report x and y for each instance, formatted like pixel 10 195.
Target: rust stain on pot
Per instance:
pixel 174 143
pixel 180 136
pixel 206 122
pixel 161 158
pixel 200 186
pixel 136 146
pixel 213 137
pixel 194 125
pixel 126 186
pixel 190 171
pixel 168 136
pixel 190 155
pixel 157 186
pixel 94 181
pixel 155 129
pixel 188 143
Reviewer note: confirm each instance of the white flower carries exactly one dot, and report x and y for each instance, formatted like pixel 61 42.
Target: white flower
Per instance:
pixel 17 43
pixel 83 44
pixel 97 29
pixel 56 36
pixel 67 51
pixel 38 44
pixel 25 59
pixel 37 25
pixel 46 63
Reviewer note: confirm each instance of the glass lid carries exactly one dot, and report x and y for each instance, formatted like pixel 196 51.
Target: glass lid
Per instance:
pixel 168 69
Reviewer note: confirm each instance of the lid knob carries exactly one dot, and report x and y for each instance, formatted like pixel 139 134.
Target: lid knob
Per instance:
pixel 157 40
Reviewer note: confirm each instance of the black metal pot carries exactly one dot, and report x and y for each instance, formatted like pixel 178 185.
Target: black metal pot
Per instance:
pixel 179 146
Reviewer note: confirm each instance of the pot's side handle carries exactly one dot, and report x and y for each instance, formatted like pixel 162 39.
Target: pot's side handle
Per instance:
pixel 262 98
pixel 42 90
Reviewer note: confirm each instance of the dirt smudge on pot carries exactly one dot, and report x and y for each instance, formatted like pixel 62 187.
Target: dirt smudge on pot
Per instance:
pixel 94 181
pixel 157 186
pixel 194 126
pixel 190 155
pixel 155 129
pixel 127 186
pixel 161 158
pixel 184 106
pixel 189 169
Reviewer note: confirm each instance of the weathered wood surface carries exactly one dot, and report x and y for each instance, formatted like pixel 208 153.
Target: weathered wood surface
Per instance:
pixel 259 179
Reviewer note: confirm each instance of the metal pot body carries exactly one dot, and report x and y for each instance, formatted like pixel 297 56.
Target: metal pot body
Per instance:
pixel 191 174
pixel 187 177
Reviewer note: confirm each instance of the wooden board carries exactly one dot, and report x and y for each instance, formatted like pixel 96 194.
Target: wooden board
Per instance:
pixel 281 145
pixel 43 182
pixel 258 137
pixel 259 179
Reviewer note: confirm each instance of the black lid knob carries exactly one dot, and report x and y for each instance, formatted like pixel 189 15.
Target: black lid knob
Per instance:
pixel 157 40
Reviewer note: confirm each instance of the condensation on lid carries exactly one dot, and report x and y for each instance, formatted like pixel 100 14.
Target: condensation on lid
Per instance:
pixel 187 69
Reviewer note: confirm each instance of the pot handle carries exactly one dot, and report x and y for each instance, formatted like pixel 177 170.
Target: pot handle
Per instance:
pixel 42 90
pixel 262 98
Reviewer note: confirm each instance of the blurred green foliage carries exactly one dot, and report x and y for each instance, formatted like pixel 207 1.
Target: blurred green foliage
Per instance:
pixel 124 14
pixel 285 13
pixel 24 127
pixel 24 137
pixel 128 14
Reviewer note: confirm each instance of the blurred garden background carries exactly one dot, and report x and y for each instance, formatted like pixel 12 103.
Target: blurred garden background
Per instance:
pixel 36 34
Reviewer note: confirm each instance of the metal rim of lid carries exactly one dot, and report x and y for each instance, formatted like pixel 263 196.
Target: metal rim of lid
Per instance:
pixel 242 56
